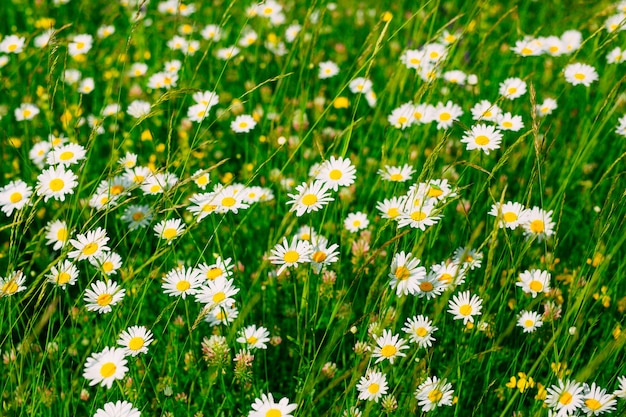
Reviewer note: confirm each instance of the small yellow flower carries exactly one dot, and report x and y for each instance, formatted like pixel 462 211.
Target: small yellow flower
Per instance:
pixel 146 135
pixel 341 103
pixel 541 392
pixel 387 16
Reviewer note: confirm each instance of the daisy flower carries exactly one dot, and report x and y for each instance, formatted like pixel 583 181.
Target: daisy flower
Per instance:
pixel 14 196
pixel 80 44
pixel 402 117
pixel 137 216
pixel 439 189
pixel 509 214
pixel 405 274
pixel 202 205
pixel 360 85
pixel 565 398
pixel 430 287
pixel 26 111
pixel 596 401
pixel 12 284
pixel 265 406
pixel 483 137
pixel 243 123
pixel 396 173
pixel 547 107
pixel 420 330
pixel 389 346
pixel 229 199
pixel 135 340
pixel 484 110
pixel 107 262
pixel 538 223
pixel 89 245
pixel 221 315
pixel 327 69
pixel 578 73
pixel 621 389
pixel 117 409
pixel 372 386
pixel 529 321
pixel 216 293
pixel 290 255
pixel 57 234
pixel 337 172
pixel 63 274
pixel 180 282
pixel 433 393
pixel 102 295
pixel 468 257
pixel 105 367
pixel 423 113
pixel 507 121
pixel 254 337
pixel 323 254
pixel 448 273
pixel 418 216
pixel 12 44
pixel 390 208
pixel 356 221
pixel 310 197
pixel 56 182
pixel 446 115
pixel 534 282
pixel 169 229
pixel 222 268
pixel 413 58
pixel 465 308
pixel 211 32
pixel 138 109
pixel 512 88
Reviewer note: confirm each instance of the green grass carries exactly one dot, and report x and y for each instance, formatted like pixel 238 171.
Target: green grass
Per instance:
pixel 570 162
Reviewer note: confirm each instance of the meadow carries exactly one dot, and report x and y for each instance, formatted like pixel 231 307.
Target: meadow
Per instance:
pixel 312 208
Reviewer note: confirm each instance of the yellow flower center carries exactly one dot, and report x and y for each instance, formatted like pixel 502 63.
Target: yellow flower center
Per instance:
pixel 213 273
pixel 445 116
pixel 10 287
pixel 435 395
pixel 421 331
pixel 309 199
pixel 373 388
pixel 273 412
pixel 512 90
pixel 434 55
pixel 418 215
pixel 481 140
pixel 104 299
pixel 243 125
pixel 465 310
pixel 12 47
pixel 57 184
pixel 402 120
pixel 203 180
pixel 252 340
pixel 553 49
pixel 414 61
pixel 136 343
pixel 15 197
pixel 63 278
pixel 402 273
pixel 207 208
pixel 155 188
pixel 62 234
pixel 393 212
pixel 219 297
pixel 426 286
pixel 291 256
pixel 593 404
pixel 529 323
pixel 535 285
pixel 396 177
pixel 108 370
pixel 434 192
pixel 509 217
pixel 356 223
pixel 335 174
pixel 537 226
pixel 445 277
pixel 90 248
pixel 169 233
pixel 388 351
pixel 319 256
pixel 527 51
pixel 183 285
pixel 579 76
pixel 107 266
pixel 80 45
pixel 565 398
pixel 26 113
pixel 228 201
pixel 116 189
pixel 137 216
